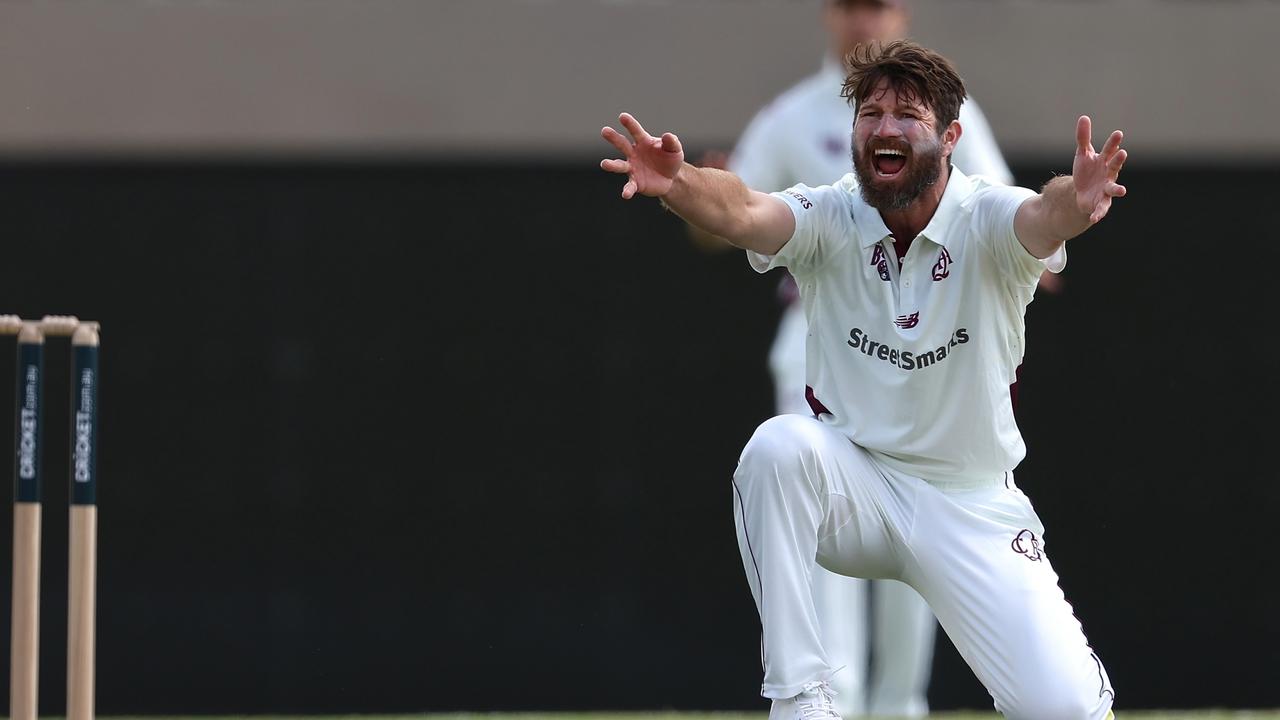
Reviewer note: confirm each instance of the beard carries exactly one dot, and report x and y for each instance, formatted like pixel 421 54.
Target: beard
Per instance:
pixel 925 166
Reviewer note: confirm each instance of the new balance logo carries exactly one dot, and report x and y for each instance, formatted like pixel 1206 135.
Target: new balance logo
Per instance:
pixel 906 322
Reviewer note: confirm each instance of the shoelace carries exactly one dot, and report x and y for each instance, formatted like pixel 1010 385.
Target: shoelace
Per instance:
pixel 815 702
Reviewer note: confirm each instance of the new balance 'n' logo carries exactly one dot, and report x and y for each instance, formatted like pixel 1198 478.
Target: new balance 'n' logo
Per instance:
pixel 906 322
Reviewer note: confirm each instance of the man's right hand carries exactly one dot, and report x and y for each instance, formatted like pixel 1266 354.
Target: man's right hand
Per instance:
pixel 713 200
pixel 650 163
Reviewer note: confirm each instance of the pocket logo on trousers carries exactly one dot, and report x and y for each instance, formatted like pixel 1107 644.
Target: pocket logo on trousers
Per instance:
pixel 1026 543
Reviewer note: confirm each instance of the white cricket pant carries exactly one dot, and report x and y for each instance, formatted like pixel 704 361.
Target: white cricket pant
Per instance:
pixel 901 628
pixel 805 494
pixel 902 633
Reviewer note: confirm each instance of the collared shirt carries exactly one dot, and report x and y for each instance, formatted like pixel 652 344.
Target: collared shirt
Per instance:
pixel 914 364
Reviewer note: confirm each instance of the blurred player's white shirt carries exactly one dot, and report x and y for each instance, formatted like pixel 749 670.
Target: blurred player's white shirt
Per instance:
pixel 803 136
pixel 915 365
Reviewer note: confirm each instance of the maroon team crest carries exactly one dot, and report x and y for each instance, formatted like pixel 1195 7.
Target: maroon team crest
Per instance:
pixel 1026 543
pixel 906 322
pixel 880 263
pixel 942 268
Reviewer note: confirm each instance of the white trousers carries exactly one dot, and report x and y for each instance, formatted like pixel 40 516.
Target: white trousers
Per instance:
pixel 804 495
pixel 897 630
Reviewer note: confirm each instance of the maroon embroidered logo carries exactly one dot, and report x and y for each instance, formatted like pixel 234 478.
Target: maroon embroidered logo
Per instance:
pixel 1026 543
pixel 906 322
pixel 881 265
pixel 942 268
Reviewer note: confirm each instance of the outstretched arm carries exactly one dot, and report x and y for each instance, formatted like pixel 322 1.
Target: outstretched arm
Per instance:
pixel 701 239
pixel 1067 206
pixel 714 200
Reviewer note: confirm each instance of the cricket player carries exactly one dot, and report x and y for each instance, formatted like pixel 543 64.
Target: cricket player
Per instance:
pixel 905 470
pixel 803 137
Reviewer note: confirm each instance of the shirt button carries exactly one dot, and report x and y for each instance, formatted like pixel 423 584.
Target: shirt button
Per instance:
pixel 907 283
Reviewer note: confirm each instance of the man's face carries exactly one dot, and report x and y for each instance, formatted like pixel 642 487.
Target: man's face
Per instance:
pixel 897 153
pixel 850 22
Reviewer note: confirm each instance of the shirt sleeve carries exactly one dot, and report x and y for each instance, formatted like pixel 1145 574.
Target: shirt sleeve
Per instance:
pixel 822 228
pixel 759 158
pixel 994 211
pixel 977 152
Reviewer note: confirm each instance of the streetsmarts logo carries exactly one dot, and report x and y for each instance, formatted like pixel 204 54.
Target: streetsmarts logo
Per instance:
pixel 905 359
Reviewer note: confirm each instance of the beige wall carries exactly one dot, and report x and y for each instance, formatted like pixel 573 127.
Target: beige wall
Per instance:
pixel 1183 78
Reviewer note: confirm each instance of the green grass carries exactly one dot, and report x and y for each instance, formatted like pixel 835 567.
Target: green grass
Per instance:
pixel 1121 715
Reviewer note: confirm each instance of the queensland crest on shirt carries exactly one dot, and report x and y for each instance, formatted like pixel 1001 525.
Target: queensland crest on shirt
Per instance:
pixel 942 268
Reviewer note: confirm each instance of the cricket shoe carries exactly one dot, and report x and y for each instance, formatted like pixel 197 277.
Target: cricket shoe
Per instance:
pixel 813 703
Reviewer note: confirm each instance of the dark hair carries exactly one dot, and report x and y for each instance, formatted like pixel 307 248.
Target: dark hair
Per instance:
pixel 913 71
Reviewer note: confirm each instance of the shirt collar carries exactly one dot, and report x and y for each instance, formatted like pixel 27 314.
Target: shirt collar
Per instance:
pixel 872 229
pixel 871 226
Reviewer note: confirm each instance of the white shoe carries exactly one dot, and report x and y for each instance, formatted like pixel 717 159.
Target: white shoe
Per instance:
pixel 813 703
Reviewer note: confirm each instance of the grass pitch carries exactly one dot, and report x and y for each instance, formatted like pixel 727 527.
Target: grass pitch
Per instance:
pixel 1123 715
pixel 1168 715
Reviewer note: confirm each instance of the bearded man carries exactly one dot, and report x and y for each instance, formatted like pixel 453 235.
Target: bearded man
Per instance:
pixel 914 281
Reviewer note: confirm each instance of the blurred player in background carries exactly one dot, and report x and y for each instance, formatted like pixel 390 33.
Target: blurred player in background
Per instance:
pixel 803 137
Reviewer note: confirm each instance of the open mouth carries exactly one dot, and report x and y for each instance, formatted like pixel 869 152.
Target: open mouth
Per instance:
pixel 888 162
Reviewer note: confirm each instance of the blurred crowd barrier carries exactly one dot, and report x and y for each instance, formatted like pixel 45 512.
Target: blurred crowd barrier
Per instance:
pixel 523 77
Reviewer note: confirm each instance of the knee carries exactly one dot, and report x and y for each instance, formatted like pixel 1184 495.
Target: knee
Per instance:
pixel 780 448
pixel 779 440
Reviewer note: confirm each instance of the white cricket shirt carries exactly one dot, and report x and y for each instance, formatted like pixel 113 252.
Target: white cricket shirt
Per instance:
pixel 803 136
pixel 915 366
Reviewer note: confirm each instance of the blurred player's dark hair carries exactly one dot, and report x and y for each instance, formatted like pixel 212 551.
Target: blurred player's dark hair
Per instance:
pixel 915 73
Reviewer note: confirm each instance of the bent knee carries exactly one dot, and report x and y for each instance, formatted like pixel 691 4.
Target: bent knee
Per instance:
pixel 784 454
pixel 781 440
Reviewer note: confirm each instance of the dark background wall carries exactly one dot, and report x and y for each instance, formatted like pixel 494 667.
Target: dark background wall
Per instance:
pixel 427 436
